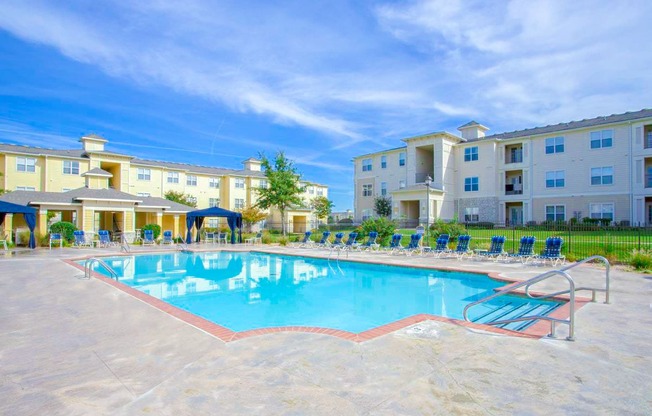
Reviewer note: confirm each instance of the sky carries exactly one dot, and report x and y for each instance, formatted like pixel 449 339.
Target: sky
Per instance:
pixel 216 82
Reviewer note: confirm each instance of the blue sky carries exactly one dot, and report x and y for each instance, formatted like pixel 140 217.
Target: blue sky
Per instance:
pixel 215 82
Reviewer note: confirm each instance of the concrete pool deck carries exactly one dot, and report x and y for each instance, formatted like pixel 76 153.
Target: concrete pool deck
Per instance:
pixel 73 346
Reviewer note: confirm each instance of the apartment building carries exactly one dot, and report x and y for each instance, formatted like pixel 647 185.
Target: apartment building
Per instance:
pixel 99 189
pixel 597 168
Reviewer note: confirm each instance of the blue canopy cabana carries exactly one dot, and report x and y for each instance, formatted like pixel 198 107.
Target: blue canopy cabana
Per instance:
pixel 28 212
pixel 196 219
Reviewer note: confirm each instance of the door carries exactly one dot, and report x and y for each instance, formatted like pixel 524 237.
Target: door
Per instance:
pixel 516 215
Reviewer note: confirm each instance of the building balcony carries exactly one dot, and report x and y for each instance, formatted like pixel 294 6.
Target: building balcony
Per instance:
pixel 420 177
pixel 513 190
pixel 514 157
pixel 648 181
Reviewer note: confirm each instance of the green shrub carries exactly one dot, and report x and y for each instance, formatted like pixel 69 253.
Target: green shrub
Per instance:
pixel 275 232
pixel 266 238
pixel 154 227
pixel 345 221
pixel 382 225
pixel 283 241
pixel 641 260
pixel 66 229
pixel 453 229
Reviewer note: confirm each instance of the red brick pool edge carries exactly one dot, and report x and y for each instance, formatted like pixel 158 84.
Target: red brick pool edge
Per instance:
pixel 536 331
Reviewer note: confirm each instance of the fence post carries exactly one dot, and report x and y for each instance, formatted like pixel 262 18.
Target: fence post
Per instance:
pixel 639 236
pixel 513 238
pixel 570 234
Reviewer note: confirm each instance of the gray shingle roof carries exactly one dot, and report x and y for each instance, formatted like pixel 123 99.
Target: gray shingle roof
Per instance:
pixel 26 197
pixel 196 168
pixel 33 150
pixel 152 201
pixel 97 172
pixel 591 122
pixel 106 193
pixel 418 187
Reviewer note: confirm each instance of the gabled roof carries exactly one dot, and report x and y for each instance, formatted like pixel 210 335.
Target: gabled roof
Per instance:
pixel 172 206
pixel 98 172
pixel 84 193
pixel 571 125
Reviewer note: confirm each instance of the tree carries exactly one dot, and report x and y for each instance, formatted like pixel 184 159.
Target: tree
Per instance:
pixel 322 206
pixel 252 215
pixel 283 189
pixel 181 198
pixel 383 206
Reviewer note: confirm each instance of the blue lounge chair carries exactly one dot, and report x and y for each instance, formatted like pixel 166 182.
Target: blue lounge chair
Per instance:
pixel 370 244
pixel 441 246
pixel 105 238
pixel 305 241
pixel 323 242
pixel 395 243
pixel 462 248
pixel 55 238
pixel 338 240
pixel 81 240
pixel 414 246
pixel 552 251
pixel 167 237
pixel 350 241
pixel 495 251
pixel 525 249
pixel 148 237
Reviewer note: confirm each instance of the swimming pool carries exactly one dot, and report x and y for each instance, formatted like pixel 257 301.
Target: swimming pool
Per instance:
pixel 243 291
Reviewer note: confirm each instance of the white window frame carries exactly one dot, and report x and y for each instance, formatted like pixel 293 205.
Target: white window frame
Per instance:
pixel 401 184
pixel 367 165
pixel 192 199
pixel 213 202
pixel 239 183
pixel 311 190
pixel 470 155
pixel 401 159
pixel 173 177
pixel 214 183
pixel 320 191
pixel 557 144
pixel 602 205
pixel 144 194
pixel 383 188
pixel 262 184
pixel 555 214
pixel 28 164
pixel 26 188
pixel 144 174
pixel 72 168
pixel 383 162
pixel 602 176
pixel 471 214
pixel 471 180
pixel 366 214
pixel 239 203
pixel 191 180
pixel 367 189
pixel 603 138
pixel 555 176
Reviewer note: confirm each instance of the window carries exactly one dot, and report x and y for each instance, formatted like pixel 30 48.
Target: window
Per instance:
pixel 144 194
pixel 25 164
pixel 555 213
pixel 320 191
pixel 262 184
pixel 383 162
pixel 554 145
pixel 383 188
pixel 366 214
pixel 366 165
pixel 144 174
pixel 215 183
pixel 401 159
pixel 240 183
pixel 367 190
pixel 471 153
pixel 602 176
pixel 191 287
pixel 311 190
pixel 601 139
pixel 70 167
pixel 173 177
pixel 192 199
pixel 213 202
pixel 25 188
pixel 472 214
pixel 471 184
pixel 239 203
pixel 191 180
pixel 555 179
pixel 401 184
pixel 213 222
pixel 602 211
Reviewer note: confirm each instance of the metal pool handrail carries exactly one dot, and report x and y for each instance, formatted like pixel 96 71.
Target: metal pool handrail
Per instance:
pixel 570 321
pixel 88 267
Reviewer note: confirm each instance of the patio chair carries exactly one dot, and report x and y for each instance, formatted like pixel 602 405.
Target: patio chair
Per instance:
pixel 552 251
pixel 414 246
pixel 105 238
pixel 525 249
pixel 350 241
pixel 3 241
pixel 441 246
pixel 395 243
pixel 495 251
pixel 81 240
pixel 305 241
pixel 167 237
pixel 323 242
pixel 338 240
pixel 222 238
pixel 370 244
pixel 210 237
pixel 257 239
pixel 462 248
pixel 148 237
pixel 55 239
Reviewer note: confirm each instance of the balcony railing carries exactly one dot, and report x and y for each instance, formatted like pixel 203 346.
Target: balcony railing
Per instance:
pixel 515 157
pixel 512 190
pixel 420 177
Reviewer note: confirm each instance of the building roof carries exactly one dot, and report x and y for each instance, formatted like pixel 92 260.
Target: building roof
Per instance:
pixel 196 168
pixel 418 187
pixel 381 151
pixel 571 125
pixel 98 172
pixel 101 194
pixel 172 206
pixel 37 151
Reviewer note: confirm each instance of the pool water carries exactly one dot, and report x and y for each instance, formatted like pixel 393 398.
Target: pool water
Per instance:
pixel 243 291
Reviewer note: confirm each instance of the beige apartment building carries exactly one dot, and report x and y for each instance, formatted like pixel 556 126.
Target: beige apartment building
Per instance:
pixel 99 189
pixel 597 168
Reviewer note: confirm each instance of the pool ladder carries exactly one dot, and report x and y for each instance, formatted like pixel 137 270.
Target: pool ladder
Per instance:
pixel 88 267
pixel 570 291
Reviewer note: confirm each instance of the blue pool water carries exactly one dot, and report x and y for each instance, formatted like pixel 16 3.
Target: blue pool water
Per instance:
pixel 243 291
